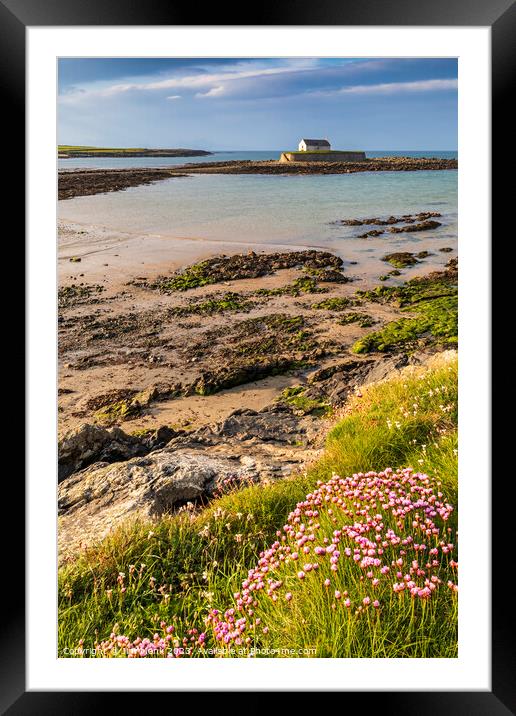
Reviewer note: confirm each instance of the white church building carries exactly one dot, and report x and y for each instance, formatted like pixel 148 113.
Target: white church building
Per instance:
pixel 311 145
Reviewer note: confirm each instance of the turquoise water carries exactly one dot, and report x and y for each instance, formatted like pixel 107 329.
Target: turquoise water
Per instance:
pixel 124 162
pixel 268 209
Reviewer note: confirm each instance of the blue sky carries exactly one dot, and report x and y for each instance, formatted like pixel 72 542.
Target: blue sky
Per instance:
pixel 260 103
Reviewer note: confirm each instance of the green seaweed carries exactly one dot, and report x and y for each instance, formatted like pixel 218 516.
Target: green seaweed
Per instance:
pixel 363 319
pixel 437 285
pixel 191 277
pixel 305 284
pixel 334 304
pixel 436 321
pixel 117 412
pixel 229 302
pixel 401 259
pixel 126 408
pixel 295 397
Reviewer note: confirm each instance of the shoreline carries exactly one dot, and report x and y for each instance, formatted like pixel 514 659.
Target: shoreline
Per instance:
pixel 129 153
pixel 247 370
pixel 83 182
pixel 113 257
pixel 119 329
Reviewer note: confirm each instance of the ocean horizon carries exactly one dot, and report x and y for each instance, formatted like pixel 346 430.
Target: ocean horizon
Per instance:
pixel 225 155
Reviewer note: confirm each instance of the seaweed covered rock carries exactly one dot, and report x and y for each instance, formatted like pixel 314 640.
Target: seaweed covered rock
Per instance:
pixel 241 266
pixel 400 259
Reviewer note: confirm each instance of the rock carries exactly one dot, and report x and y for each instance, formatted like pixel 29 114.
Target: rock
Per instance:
pixel 377 221
pixel 272 424
pixel 401 259
pixel 446 249
pixel 98 498
pixel 348 367
pixel 384 368
pixel 228 376
pixel 247 461
pixel 422 226
pixel 88 443
pixel 335 383
pixel 221 269
pixel 373 232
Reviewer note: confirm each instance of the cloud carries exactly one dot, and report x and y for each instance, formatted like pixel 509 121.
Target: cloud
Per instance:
pixel 247 78
pixel 388 88
pixel 264 79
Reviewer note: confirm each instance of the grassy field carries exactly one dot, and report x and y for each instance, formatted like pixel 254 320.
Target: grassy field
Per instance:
pixel 190 583
pixel 64 148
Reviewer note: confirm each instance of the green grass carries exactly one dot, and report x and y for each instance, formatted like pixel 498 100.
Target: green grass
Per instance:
pixel 69 148
pixel 198 559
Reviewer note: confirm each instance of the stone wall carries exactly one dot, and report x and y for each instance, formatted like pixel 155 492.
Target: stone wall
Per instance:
pixel 331 156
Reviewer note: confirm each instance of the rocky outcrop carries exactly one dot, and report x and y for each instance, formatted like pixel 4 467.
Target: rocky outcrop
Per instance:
pixel 124 477
pixel 421 226
pixel 246 447
pixel 274 424
pixel 88 443
pixel 377 221
pixel 397 164
pixel 93 501
pixel 85 182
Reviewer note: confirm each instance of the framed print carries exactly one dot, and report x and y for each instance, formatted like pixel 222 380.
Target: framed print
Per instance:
pixel 258 271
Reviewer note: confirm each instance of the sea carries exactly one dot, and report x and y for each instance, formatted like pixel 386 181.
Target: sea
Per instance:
pixel 273 210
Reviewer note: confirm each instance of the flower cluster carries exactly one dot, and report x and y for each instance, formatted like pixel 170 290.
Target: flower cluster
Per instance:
pixel 232 484
pixel 167 644
pixel 385 532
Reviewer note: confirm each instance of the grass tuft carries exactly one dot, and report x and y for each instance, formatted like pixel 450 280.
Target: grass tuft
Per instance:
pixel 152 581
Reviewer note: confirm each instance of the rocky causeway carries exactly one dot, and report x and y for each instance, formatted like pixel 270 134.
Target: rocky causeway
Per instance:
pixel 82 182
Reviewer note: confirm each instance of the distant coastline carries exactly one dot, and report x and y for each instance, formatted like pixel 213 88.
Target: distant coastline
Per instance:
pixel 65 151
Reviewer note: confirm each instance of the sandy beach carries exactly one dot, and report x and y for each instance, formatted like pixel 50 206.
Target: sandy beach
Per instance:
pixel 119 337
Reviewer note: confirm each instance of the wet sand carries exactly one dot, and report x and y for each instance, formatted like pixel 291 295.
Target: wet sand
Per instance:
pixel 114 257
pixel 127 337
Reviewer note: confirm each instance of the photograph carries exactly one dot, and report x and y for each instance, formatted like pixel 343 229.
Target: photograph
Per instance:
pixel 258 278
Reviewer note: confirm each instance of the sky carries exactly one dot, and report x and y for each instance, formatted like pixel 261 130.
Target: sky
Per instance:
pixel 258 103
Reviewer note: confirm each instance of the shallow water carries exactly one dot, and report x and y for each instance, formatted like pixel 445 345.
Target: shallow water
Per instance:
pixel 286 210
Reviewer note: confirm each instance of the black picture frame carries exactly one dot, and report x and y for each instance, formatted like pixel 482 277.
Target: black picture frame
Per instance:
pixel 500 16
